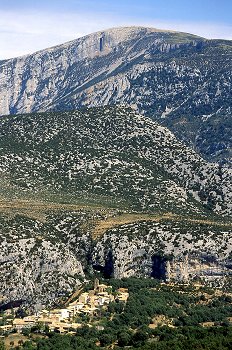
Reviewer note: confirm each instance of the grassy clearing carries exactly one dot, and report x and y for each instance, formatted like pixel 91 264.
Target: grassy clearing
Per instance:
pixel 160 320
pixel 210 222
pixel 103 226
pixel 37 210
pixel 14 339
pixel 124 219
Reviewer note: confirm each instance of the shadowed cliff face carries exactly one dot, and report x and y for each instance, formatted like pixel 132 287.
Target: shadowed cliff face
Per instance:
pixel 175 268
pixel 107 269
pixel 109 265
pixel 159 270
pixel 178 252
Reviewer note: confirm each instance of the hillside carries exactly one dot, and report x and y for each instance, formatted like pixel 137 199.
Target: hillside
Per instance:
pixel 110 154
pixel 178 79
pixel 106 189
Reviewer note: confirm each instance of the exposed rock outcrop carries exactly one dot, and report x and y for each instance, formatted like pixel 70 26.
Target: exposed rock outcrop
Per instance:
pixel 41 263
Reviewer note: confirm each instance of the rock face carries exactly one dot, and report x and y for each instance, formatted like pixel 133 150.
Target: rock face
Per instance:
pixel 167 251
pixel 35 268
pixel 180 80
pixel 32 83
pixel 43 262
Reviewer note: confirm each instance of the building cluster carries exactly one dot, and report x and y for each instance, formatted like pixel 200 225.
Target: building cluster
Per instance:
pixel 63 320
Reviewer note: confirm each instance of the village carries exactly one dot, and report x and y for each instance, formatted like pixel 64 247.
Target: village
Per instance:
pixel 63 320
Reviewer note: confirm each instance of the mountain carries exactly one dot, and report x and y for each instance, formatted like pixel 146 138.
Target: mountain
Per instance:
pixel 106 189
pixel 178 79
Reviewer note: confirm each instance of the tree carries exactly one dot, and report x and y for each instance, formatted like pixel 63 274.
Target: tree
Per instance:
pixel 140 337
pixel 26 331
pixel 28 346
pixel 106 339
pixel 20 313
pixel 124 339
pixel 20 342
pixel 2 346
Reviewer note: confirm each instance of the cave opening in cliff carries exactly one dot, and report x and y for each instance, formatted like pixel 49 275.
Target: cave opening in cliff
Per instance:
pixel 107 270
pixel 158 267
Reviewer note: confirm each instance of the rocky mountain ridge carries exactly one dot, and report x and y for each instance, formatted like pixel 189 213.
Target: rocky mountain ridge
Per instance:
pixel 180 80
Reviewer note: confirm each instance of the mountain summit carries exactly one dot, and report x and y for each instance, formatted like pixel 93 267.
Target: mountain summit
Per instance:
pixel 181 80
